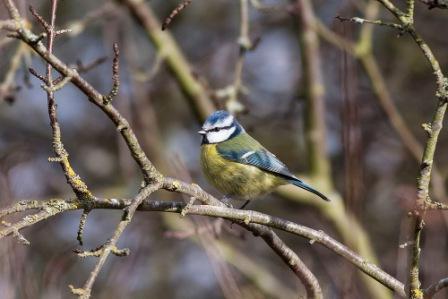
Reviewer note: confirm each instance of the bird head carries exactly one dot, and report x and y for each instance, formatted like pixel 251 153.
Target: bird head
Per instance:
pixel 220 126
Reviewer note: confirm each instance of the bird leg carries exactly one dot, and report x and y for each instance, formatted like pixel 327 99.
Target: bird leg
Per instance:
pixel 244 204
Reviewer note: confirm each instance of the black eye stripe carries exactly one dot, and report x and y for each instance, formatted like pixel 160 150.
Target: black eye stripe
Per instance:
pixel 219 129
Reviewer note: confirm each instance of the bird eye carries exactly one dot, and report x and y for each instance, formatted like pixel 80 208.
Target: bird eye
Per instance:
pixel 215 129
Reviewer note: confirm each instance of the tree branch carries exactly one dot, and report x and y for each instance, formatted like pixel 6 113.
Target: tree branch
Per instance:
pixel 246 218
pixel 423 181
pixel 434 288
pixel 111 245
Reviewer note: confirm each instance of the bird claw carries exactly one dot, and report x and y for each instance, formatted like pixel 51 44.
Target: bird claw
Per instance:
pixel 226 200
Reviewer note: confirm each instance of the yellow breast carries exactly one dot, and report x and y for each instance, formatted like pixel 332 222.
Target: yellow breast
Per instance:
pixel 236 179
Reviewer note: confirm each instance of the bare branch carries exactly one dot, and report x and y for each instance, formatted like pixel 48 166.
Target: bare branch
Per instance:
pixel 110 246
pixel 220 210
pixel 82 224
pixel 434 288
pixel 115 76
pixel 375 22
pixel 40 19
pixel 181 6
pixel 443 4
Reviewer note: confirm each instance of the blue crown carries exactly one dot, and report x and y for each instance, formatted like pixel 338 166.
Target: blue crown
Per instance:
pixel 217 116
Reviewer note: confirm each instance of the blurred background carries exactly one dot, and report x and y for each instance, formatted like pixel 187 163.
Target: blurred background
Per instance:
pixel 363 91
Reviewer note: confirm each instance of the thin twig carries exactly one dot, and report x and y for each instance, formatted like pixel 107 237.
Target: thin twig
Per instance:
pixel 443 4
pixel 110 246
pixel 434 288
pixel 82 224
pixel 231 93
pixel 149 172
pixel 181 6
pixel 375 22
pixel 115 76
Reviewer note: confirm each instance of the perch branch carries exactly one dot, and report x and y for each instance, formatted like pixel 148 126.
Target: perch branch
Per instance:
pixel 246 217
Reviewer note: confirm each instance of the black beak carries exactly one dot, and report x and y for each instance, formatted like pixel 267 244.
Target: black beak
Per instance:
pixel 202 132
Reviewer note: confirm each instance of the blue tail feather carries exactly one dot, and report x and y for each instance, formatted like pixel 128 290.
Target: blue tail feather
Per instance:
pixel 306 187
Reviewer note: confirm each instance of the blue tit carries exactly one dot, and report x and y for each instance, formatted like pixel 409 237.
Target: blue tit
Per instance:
pixel 237 164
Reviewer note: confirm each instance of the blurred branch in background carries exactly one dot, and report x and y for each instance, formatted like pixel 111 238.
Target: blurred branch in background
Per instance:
pixel 8 87
pixel 363 51
pixel 423 201
pixel 443 4
pixel 173 56
pixel 264 279
pixel 230 94
pixel 320 170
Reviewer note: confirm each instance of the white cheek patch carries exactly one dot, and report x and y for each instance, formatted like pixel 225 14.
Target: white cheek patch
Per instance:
pixel 220 136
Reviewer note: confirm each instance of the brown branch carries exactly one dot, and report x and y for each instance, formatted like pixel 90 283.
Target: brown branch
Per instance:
pixel 82 224
pixel 442 4
pixel 246 218
pixel 149 172
pixel 374 22
pixel 430 292
pixel 292 260
pixel 77 184
pixel 177 10
pixel 111 245
pixel 115 76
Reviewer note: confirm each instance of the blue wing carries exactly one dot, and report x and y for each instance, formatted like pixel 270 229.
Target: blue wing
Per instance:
pixel 246 150
pixel 262 159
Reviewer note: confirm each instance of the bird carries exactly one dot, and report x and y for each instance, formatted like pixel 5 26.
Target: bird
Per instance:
pixel 238 165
